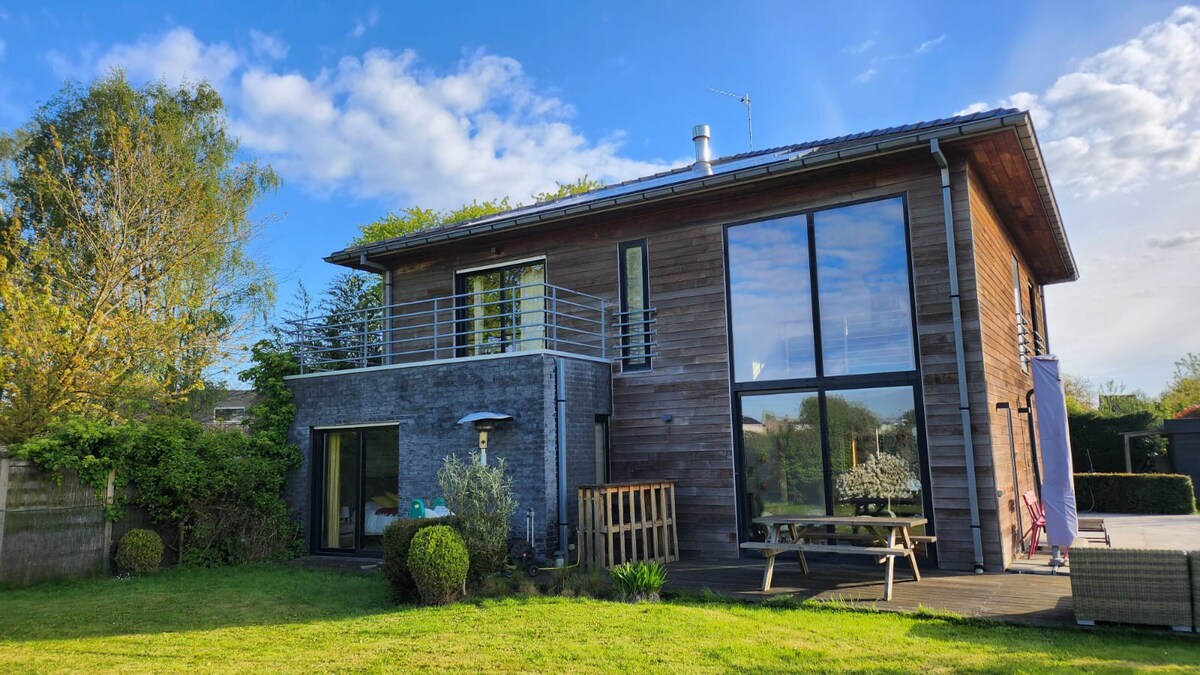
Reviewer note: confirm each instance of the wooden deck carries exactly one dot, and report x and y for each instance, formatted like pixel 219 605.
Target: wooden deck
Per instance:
pixel 1016 598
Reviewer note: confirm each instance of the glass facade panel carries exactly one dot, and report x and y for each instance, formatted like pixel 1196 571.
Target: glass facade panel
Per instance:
pixel 770 300
pixel 503 309
pixel 863 288
pixel 381 482
pixel 634 283
pixel 873 453
pixel 340 512
pixel 781 456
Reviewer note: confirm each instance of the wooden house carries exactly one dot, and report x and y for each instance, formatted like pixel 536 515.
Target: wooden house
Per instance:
pixel 763 329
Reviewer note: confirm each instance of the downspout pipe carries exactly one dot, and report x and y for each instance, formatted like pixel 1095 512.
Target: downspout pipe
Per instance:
pixel 960 361
pixel 560 401
pixel 386 272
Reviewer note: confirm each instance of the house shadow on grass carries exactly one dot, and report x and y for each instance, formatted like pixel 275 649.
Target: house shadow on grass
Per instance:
pixel 190 599
pixel 1020 647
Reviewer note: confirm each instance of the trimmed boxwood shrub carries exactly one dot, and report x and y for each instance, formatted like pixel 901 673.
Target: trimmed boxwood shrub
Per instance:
pixel 438 562
pixel 1157 493
pixel 139 551
pixel 397 538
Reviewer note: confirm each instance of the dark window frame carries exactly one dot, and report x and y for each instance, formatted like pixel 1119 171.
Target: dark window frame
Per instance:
pixel 462 322
pixel 646 362
pixel 317 489
pixel 821 384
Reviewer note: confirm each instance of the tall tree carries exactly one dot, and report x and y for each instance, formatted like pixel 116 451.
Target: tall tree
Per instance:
pixel 1183 392
pixel 415 218
pixel 124 269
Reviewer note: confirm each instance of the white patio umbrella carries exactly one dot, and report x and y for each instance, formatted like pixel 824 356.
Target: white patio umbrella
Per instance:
pixel 1058 483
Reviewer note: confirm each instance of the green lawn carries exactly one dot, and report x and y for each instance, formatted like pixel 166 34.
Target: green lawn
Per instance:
pixel 286 619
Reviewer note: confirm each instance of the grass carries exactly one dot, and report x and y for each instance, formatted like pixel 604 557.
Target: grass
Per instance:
pixel 288 619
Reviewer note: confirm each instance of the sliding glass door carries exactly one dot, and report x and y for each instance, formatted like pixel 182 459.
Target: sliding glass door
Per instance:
pixel 356 486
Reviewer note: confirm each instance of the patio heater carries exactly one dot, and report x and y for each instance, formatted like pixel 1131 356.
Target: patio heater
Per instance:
pixel 484 422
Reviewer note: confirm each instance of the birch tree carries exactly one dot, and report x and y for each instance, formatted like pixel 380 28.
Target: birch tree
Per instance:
pixel 125 221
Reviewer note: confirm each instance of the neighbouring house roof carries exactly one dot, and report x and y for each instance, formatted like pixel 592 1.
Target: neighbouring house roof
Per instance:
pixel 746 167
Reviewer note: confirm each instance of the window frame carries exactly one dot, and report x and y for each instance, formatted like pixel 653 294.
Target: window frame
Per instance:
pixel 822 384
pixel 645 362
pixel 462 345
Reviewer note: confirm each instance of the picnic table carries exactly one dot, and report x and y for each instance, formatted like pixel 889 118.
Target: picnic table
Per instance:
pixel 882 537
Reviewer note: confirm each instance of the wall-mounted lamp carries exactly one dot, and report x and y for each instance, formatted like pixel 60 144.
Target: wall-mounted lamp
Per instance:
pixel 484 422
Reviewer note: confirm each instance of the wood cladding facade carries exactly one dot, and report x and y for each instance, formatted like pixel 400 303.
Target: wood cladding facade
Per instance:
pixel 690 378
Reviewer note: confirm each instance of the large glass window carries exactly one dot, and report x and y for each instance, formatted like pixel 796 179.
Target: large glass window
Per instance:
pixel 782 469
pixel 862 279
pixel 502 309
pixel 824 364
pixel 873 454
pixel 771 300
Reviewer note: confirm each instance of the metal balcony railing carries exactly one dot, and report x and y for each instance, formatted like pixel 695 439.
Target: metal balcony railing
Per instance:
pixel 480 323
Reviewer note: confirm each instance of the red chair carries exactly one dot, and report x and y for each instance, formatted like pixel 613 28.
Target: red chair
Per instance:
pixel 1038 516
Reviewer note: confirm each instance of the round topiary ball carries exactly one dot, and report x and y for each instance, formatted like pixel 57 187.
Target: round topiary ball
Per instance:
pixel 139 551
pixel 438 561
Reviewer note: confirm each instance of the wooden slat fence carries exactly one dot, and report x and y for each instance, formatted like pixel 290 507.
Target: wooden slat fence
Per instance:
pixel 627 522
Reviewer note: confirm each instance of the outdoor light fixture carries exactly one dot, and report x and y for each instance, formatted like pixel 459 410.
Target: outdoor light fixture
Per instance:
pixel 484 422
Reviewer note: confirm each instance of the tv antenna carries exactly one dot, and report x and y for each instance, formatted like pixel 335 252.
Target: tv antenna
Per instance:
pixel 744 99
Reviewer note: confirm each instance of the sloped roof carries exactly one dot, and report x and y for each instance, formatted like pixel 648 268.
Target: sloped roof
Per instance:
pixel 730 169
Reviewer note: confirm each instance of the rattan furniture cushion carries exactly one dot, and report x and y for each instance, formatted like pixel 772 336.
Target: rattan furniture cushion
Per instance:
pixel 1131 586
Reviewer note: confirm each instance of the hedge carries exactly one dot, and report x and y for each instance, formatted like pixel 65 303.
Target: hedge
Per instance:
pixel 438 562
pixel 1097 444
pixel 397 538
pixel 1156 493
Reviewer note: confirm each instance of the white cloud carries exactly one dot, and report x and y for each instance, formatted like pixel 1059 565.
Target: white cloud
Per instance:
pixel 1127 115
pixel 860 47
pixel 173 57
pixel 928 45
pixel 866 76
pixel 1174 240
pixel 383 125
pixel 978 106
pixel 267 46
pixel 380 126
pixel 361 25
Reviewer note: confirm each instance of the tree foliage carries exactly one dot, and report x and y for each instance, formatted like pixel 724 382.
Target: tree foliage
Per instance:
pixel 220 491
pixel 415 218
pixel 124 268
pixel 1183 392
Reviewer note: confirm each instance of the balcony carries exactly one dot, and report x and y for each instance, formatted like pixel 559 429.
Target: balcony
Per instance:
pixel 468 325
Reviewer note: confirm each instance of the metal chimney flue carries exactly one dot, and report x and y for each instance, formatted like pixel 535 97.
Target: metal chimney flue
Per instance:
pixel 700 136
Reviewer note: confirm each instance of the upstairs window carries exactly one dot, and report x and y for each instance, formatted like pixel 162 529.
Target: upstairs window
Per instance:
pixel 634 320
pixel 1023 326
pixel 502 309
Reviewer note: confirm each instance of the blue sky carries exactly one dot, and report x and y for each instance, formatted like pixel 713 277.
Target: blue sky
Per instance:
pixel 370 107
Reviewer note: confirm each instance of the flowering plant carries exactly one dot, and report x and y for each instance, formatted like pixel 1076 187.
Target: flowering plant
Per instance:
pixel 884 476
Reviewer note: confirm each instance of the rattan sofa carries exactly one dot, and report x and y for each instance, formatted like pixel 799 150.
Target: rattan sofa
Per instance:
pixel 1135 586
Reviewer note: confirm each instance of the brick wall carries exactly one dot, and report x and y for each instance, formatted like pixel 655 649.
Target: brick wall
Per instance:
pixel 427 400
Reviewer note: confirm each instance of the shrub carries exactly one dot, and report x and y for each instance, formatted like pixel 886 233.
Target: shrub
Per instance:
pixel 1097 445
pixel 139 551
pixel 638 581
pixel 576 581
pixel 1157 493
pixel 397 538
pixel 438 561
pixel 481 496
